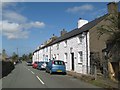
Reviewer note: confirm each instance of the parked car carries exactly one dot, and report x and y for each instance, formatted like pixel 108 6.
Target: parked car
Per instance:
pixel 56 66
pixel 29 63
pixel 42 65
pixel 35 64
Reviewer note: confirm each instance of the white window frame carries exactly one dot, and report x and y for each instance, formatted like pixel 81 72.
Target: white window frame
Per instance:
pixel 80 39
pixel 80 56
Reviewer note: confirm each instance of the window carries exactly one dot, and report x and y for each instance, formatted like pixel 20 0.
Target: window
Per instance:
pixel 80 39
pixel 59 63
pixel 80 57
pixel 57 46
pixel 54 56
pixel 47 49
pixel 57 56
pixel 65 43
pixel 51 47
pixel 46 58
pixel 44 50
pixel 65 57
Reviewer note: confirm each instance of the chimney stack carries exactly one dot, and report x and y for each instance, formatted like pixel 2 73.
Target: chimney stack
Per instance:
pixel 53 37
pixel 63 32
pixel 112 7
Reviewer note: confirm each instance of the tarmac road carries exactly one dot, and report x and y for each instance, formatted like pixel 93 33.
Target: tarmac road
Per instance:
pixel 24 76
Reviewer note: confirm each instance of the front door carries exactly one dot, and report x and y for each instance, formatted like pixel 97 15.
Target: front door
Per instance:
pixel 72 58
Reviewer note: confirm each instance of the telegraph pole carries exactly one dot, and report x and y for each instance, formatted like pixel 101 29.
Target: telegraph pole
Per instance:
pixel 17 54
pixel 17 51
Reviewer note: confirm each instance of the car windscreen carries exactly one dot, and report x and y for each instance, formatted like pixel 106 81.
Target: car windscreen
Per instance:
pixel 40 63
pixel 29 62
pixel 59 63
pixel 36 62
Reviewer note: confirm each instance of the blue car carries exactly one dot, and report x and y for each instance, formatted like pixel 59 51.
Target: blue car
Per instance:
pixel 56 66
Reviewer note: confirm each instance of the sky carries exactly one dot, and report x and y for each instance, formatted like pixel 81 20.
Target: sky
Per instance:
pixel 26 25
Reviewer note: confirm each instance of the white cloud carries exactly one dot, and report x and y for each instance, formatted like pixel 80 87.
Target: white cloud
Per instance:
pixel 81 9
pixel 13 16
pixel 15 25
pixel 15 30
pixel 37 24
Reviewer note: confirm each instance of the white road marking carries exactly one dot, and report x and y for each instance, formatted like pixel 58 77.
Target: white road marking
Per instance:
pixel 40 80
pixel 32 72
pixel 36 76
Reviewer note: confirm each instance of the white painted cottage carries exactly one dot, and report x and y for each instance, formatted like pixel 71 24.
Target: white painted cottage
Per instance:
pixel 72 47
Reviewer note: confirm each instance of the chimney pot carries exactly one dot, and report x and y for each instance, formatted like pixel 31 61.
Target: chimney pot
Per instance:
pixel 81 22
pixel 80 18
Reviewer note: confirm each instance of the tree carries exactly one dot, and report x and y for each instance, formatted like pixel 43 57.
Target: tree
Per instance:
pixel 24 57
pixel 27 57
pixel 30 56
pixel 113 30
pixel 113 41
pixel 14 57
pixel 4 55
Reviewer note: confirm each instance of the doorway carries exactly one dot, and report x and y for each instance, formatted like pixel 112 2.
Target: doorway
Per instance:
pixel 72 58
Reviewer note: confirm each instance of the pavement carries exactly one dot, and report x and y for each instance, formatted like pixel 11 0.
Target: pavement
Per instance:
pixel 100 81
pixel 24 76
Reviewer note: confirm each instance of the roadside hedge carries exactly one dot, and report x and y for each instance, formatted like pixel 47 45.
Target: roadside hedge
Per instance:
pixel 7 67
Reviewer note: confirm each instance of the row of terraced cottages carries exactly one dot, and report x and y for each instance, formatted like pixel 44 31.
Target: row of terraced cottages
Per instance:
pixel 76 47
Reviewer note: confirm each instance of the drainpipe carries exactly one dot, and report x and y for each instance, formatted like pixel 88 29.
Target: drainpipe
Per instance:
pixel 50 52
pixel 87 52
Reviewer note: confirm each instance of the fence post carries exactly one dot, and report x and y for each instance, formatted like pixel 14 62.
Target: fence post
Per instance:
pixel 95 72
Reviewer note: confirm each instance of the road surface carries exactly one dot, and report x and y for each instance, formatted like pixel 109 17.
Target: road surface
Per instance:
pixel 24 76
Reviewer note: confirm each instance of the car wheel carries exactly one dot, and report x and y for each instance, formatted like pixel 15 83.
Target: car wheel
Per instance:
pixel 64 73
pixel 46 71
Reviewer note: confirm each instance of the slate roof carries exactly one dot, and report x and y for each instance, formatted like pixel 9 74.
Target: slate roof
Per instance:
pixel 77 31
